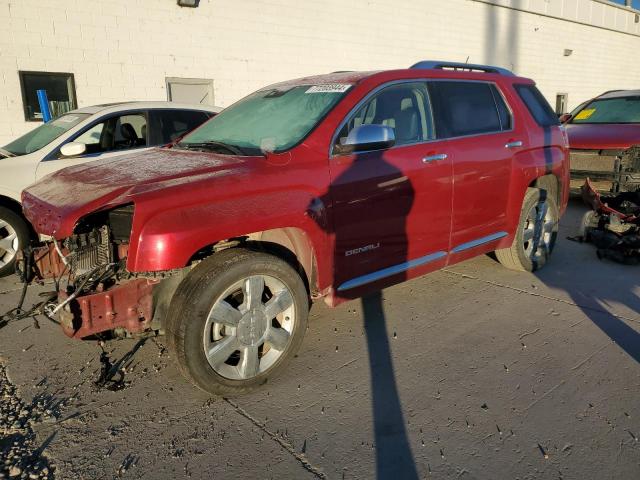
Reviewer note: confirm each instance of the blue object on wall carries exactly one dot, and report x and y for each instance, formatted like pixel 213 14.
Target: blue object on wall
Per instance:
pixel 44 105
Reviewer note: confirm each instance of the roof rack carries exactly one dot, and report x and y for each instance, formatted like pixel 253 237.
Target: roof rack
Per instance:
pixel 469 67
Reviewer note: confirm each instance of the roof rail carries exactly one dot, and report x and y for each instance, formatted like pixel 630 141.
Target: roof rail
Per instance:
pixel 471 67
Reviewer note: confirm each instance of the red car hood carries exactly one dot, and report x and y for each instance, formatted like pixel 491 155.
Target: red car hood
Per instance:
pixel 58 201
pixel 603 136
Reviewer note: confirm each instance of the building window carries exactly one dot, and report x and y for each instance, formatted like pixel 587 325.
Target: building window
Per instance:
pixel 561 103
pixel 60 88
pixel 190 90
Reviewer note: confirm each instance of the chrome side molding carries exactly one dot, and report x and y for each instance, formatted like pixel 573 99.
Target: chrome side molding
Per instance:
pixel 478 241
pixel 405 266
pixel 389 271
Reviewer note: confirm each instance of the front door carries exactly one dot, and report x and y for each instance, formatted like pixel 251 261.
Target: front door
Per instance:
pixel 391 208
pixel 114 136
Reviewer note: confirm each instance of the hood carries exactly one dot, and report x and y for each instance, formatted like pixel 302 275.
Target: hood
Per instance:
pixel 603 136
pixel 59 200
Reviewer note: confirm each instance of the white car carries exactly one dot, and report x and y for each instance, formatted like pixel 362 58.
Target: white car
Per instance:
pixel 81 136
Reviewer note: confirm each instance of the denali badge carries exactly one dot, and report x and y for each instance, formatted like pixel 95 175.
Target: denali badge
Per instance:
pixel 366 248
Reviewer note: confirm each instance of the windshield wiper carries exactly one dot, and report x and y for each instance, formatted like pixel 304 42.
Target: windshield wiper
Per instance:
pixel 212 145
pixel 6 153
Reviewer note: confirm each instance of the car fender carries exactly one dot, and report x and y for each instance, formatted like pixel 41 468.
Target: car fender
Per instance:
pixel 168 238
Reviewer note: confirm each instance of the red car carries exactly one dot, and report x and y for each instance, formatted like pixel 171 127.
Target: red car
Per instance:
pixel 323 187
pixel 604 135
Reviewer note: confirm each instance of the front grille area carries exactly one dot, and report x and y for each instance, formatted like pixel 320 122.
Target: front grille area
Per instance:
pixel 88 250
pixel 608 170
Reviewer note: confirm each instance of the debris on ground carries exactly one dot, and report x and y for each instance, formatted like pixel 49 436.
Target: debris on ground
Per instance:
pixel 613 225
pixel 22 456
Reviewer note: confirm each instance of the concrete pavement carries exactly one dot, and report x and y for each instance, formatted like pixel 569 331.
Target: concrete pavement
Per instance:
pixel 473 372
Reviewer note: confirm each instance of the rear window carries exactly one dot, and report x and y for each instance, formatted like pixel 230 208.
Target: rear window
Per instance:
pixel 467 108
pixel 537 105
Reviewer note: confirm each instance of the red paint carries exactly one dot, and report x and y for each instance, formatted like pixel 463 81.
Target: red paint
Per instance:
pixel 592 197
pixel 185 201
pixel 603 136
pixel 128 306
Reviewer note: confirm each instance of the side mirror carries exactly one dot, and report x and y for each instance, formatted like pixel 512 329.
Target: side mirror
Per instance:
pixel 73 149
pixel 565 117
pixel 368 137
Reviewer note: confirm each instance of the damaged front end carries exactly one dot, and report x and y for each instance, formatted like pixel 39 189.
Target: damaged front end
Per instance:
pixel 608 170
pixel 96 295
pixel 613 224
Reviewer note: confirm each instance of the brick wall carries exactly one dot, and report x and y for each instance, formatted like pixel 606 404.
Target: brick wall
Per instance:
pixel 124 49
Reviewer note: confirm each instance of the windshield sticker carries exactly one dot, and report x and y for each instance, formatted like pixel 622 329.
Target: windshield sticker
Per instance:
pixel 586 113
pixel 67 119
pixel 329 88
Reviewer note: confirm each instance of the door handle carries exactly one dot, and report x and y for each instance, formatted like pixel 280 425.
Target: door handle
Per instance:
pixel 434 158
pixel 514 144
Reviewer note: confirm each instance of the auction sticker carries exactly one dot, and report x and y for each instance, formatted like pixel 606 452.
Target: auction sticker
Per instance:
pixel 586 113
pixel 329 88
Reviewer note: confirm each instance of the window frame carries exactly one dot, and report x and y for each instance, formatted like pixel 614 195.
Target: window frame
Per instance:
pixel 497 88
pixel 73 97
pixel 347 118
pixel 190 81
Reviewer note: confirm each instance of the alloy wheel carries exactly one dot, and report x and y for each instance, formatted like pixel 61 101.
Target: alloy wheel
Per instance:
pixel 538 232
pixel 9 243
pixel 249 327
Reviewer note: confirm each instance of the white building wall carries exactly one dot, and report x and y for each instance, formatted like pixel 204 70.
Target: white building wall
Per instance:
pixel 124 49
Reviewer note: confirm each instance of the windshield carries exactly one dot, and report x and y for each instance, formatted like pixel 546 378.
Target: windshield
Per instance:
pixel 271 120
pixel 44 134
pixel 610 110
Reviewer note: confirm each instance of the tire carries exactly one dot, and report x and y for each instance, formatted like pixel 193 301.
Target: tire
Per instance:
pixel 214 297
pixel 14 236
pixel 523 254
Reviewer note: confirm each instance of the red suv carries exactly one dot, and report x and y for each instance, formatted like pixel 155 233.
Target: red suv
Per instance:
pixel 323 187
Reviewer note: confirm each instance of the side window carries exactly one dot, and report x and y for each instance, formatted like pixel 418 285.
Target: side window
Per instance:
pixel 115 133
pixel 172 124
pixel 537 105
pixel 405 107
pixel 464 108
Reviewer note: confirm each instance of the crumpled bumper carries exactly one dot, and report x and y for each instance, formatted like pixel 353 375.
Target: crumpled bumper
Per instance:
pixel 127 306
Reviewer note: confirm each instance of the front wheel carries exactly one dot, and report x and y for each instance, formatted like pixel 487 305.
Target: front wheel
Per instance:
pixel 14 236
pixel 536 235
pixel 236 320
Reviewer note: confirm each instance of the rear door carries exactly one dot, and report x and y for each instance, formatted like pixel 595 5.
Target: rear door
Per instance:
pixel 473 119
pixel 391 208
pixel 168 125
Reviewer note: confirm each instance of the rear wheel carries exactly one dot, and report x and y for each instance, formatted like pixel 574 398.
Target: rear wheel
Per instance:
pixel 14 236
pixel 536 234
pixel 236 320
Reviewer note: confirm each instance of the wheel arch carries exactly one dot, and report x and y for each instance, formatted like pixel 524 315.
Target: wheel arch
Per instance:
pixel 15 206
pixel 550 183
pixel 11 204
pixel 291 244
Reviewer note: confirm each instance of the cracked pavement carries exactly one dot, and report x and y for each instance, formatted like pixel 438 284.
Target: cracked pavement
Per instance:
pixel 493 374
